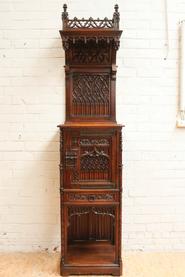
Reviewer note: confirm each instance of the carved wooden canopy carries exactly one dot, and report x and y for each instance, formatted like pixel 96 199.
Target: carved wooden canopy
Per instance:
pixel 90 64
pixel 90 30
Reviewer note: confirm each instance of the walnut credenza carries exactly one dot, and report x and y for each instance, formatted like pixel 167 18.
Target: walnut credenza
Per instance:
pixel 90 149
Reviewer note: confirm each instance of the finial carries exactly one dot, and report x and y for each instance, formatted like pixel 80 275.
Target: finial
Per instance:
pixel 64 15
pixel 116 7
pixel 65 7
pixel 116 17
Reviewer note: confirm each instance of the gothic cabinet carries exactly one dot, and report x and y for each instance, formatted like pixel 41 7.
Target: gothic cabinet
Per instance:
pixel 90 149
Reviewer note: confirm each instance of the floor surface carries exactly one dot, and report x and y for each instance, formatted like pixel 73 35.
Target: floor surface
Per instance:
pixel 137 264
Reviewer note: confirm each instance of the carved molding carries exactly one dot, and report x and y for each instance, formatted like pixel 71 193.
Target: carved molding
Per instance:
pixel 91 197
pixel 98 142
pixel 78 211
pixel 69 41
pixel 61 140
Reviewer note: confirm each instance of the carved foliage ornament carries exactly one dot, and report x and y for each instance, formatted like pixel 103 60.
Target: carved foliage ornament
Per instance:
pixel 86 142
pixel 78 211
pixel 91 197
pixel 68 41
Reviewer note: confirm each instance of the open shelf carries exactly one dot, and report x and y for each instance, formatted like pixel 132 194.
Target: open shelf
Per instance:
pixel 91 252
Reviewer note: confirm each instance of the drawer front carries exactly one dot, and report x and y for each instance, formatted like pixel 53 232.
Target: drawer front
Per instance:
pixel 91 197
pixel 89 159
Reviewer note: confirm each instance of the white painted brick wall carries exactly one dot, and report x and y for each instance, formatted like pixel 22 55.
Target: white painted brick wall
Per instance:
pixel 32 104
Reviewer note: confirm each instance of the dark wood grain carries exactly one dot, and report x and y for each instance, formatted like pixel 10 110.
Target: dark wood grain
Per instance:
pixel 90 149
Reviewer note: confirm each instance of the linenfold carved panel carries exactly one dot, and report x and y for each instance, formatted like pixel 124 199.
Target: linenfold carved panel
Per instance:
pixel 80 223
pixel 91 95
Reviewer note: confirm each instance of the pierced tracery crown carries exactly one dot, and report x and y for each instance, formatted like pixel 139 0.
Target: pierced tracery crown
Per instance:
pixel 82 30
pixel 90 22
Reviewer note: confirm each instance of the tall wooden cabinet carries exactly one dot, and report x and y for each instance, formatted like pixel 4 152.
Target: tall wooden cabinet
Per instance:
pixel 90 149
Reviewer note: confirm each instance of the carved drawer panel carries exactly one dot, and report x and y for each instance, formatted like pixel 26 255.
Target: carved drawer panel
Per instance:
pixel 91 196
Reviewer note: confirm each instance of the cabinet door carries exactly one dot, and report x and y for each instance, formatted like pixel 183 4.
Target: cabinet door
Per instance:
pixel 90 158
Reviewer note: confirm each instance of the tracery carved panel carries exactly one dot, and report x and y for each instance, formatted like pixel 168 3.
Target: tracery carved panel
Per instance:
pixel 81 218
pixel 95 160
pixel 90 53
pixel 91 95
pixel 89 23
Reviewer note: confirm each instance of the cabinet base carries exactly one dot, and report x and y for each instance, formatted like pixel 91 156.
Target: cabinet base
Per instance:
pixel 115 270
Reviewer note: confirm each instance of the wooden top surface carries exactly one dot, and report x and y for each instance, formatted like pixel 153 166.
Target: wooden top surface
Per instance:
pixel 90 125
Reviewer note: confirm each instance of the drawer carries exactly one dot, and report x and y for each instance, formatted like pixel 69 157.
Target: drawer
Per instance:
pixel 91 196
